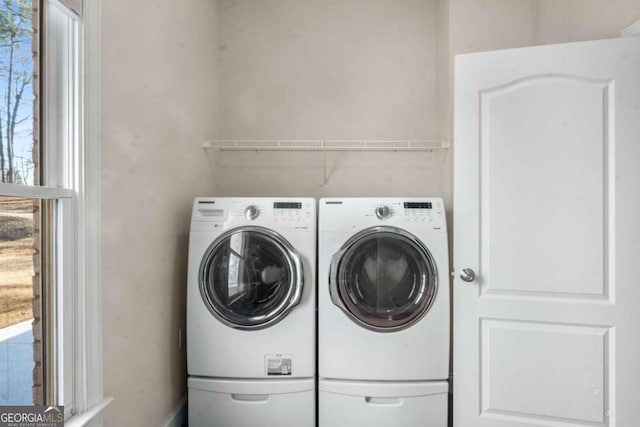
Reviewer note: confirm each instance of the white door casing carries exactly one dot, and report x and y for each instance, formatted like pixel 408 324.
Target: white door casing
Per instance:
pixel 547 201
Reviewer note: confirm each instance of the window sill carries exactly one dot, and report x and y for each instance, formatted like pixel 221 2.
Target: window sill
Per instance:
pixel 80 420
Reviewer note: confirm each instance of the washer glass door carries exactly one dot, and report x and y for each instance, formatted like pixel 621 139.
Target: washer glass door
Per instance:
pixel 384 279
pixel 250 277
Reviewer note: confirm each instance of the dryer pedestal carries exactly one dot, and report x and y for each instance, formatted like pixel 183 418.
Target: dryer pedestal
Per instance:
pixel 377 404
pixel 251 403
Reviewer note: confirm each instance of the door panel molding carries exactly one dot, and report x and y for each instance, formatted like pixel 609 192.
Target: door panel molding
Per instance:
pixel 508 96
pixel 536 363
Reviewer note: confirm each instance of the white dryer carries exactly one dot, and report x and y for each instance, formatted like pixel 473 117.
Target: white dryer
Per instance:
pixel 251 341
pixel 383 312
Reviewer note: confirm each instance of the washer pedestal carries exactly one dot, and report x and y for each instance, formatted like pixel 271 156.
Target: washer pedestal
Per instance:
pixel 251 403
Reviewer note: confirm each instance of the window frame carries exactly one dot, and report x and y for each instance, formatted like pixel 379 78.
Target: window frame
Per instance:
pixel 76 213
pixel 92 400
pixel 89 400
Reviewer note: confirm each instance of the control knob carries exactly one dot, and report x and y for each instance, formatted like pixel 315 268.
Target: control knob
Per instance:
pixel 251 212
pixel 383 212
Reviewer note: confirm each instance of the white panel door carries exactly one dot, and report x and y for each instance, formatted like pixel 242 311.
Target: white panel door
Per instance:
pixel 547 215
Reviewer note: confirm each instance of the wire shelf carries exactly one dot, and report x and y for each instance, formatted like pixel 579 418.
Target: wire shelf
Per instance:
pixel 324 145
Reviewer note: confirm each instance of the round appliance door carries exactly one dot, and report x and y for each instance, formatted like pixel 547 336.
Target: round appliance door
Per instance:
pixel 251 277
pixel 384 279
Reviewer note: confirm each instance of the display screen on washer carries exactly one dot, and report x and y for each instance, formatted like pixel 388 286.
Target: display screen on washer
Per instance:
pixel 418 205
pixel 248 278
pixel 287 205
pixel 386 280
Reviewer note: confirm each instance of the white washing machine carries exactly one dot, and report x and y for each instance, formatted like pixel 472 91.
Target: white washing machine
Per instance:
pixel 383 312
pixel 251 312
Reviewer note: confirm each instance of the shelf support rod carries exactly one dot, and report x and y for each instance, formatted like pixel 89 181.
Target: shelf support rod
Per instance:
pixel 324 164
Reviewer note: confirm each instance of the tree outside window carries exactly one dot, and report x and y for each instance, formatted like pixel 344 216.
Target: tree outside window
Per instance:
pixel 16 92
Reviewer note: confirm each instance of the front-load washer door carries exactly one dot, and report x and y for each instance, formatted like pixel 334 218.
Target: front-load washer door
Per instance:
pixel 251 277
pixel 384 279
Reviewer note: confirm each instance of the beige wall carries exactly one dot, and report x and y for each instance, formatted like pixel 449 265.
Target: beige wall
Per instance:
pixel 562 21
pixel 443 68
pixel 158 105
pixel 479 25
pixel 307 69
pixel 328 69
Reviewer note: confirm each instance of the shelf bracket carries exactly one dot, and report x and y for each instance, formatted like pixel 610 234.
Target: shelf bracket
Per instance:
pixel 324 166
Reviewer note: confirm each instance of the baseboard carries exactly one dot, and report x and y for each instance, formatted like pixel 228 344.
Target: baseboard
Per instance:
pixel 177 417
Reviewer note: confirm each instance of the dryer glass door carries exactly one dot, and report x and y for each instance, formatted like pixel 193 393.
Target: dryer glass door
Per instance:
pixel 250 277
pixel 384 279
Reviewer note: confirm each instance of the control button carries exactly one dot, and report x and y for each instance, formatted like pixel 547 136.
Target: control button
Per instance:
pixel 383 212
pixel 251 212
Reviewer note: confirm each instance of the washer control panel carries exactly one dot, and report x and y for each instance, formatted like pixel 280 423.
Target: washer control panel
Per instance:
pixel 283 212
pixel 226 212
pixel 291 212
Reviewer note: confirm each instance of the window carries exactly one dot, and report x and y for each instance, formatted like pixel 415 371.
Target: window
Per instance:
pixel 20 243
pixel 60 182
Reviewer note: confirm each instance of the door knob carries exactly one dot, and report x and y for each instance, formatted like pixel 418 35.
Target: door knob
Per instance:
pixel 468 275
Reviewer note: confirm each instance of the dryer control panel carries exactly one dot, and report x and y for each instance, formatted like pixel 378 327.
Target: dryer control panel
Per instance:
pixel 422 211
pixel 427 214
